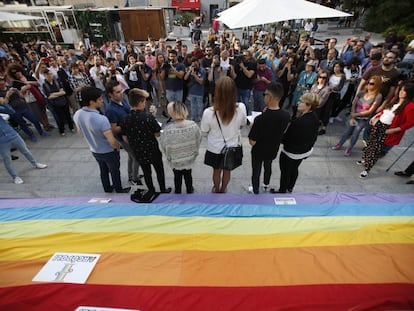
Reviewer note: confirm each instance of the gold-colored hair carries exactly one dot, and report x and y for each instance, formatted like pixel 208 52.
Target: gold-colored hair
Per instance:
pixel 177 110
pixel 135 96
pixel 225 98
pixel 311 99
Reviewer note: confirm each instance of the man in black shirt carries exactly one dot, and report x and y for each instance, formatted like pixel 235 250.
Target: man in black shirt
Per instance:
pixel 140 129
pixel 266 134
pixel 244 73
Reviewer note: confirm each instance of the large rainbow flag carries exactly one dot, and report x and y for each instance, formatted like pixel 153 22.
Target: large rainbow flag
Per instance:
pixel 330 251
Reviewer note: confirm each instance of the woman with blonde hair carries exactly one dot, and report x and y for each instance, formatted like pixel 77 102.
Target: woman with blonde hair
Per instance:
pixel 298 141
pixel 363 107
pixel 180 141
pixel 222 123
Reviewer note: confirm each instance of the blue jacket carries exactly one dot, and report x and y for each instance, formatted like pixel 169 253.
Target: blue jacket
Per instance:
pixel 7 133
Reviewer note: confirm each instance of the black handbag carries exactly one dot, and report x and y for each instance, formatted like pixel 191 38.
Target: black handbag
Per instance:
pixel 231 157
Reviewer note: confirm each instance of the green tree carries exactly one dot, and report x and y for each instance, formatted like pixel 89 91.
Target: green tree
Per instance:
pixel 382 15
pixel 95 23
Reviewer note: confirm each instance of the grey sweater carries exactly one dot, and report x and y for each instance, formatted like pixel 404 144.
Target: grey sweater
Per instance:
pixel 180 143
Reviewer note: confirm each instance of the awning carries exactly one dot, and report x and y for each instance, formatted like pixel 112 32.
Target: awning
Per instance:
pixel 257 12
pixel 13 17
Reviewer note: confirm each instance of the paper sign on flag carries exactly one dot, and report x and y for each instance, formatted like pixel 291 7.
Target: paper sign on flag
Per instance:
pixel 100 200
pixel 67 268
pixel 102 309
pixel 285 201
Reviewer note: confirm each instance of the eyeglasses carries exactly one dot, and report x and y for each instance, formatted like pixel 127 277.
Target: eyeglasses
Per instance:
pixel 371 83
pixel 323 77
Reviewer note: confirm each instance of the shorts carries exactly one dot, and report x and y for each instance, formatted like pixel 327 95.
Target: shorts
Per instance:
pixel 213 159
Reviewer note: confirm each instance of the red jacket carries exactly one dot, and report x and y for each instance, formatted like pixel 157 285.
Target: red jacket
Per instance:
pixel 404 120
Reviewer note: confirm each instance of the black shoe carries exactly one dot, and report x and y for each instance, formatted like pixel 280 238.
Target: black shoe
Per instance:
pixel 273 190
pixel 109 190
pixel 410 182
pixel 167 190
pixel 124 190
pixel 322 132
pixel 402 173
pixel 13 157
pixel 13 149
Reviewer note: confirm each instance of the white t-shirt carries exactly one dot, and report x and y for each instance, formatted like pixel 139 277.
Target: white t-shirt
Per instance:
pixel 388 115
pixel 231 131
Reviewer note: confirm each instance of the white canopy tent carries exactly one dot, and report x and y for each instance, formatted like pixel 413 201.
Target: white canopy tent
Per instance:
pixel 13 17
pixel 257 12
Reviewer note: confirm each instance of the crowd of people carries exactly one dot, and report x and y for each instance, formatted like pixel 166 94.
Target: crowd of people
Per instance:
pixel 116 95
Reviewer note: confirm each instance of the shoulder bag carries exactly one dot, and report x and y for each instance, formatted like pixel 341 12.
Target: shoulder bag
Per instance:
pixel 232 157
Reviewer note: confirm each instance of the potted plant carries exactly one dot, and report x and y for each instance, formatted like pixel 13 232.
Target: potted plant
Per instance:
pixel 181 21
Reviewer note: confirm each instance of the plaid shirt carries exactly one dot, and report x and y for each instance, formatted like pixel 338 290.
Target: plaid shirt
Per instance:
pixel 78 81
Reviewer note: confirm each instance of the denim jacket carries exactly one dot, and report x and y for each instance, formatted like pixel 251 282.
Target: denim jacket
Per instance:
pixel 7 133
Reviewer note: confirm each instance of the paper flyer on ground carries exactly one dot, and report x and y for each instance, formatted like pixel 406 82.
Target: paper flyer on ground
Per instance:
pixel 285 201
pixel 102 309
pixel 100 200
pixel 67 268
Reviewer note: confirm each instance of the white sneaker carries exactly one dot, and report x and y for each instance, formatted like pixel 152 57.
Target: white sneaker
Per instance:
pixel 18 181
pixel 338 118
pixel 363 174
pixel 265 188
pixel 250 189
pixel 40 165
pixel 331 120
pixel 360 162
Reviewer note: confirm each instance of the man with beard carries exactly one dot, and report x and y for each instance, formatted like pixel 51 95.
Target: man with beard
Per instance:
pixel 244 73
pixel 173 76
pixel 389 75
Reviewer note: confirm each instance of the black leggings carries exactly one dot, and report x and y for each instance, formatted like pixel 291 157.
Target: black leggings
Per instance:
pixel 331 103
pixel 289 172
pixel 178 180
pixel 156 161
pixel 256 170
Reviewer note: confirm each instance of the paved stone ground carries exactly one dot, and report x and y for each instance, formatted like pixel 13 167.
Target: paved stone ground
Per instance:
pixel 73 171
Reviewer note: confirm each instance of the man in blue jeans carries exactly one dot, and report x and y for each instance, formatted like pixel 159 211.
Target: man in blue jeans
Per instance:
pixel 98 134
pixel 243 74
pixel 196 77
pixel 10 139
pixel 173 74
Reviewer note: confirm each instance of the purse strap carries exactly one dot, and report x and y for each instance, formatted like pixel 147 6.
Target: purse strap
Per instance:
pixel 221 131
